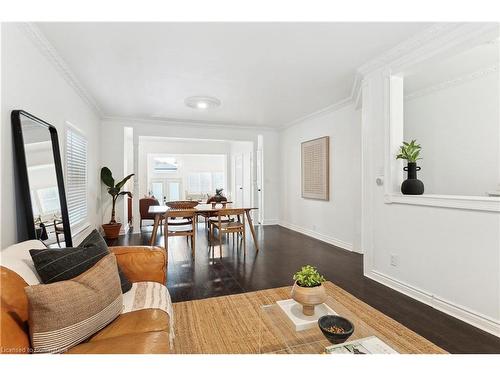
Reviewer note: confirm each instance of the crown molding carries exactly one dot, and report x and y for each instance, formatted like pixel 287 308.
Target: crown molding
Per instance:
pixel 418 47
pixel 176 121
pixel 434 40
pixel 331 108
pixel 48 50
pixel 383 60
pixel 353 98
pixel 452 82
pixel 405 47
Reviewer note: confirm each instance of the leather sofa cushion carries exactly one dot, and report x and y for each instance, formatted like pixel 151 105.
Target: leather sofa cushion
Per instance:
pixel 135 343
pixel 140 321
pixel 14 336
pixel 142 263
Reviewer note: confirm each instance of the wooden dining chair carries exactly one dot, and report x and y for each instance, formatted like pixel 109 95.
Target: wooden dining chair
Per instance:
pixel 229 220
pixel 188 229
pixel 58 229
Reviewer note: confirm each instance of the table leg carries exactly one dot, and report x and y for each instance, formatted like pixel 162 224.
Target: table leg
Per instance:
pixel 155 229
pixel 252 229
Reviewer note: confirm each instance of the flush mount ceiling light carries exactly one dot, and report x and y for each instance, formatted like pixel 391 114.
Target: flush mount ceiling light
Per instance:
pixel 202 102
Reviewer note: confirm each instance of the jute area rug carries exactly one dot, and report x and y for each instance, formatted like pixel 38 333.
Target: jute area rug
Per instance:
pixel 233 325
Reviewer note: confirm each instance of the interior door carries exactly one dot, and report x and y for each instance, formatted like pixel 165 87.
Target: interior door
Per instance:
pixel 239 179
pixel 259 184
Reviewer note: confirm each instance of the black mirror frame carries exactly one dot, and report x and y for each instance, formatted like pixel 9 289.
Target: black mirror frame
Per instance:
pixel 17 134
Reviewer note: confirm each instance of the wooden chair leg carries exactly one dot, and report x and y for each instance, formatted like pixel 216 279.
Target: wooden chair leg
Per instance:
pixel 166 241
pixel 193 237
pixel 244 243
pixel 244 237
pixel 220 243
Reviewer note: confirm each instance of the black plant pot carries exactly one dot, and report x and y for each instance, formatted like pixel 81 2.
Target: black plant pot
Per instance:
pixel 412 186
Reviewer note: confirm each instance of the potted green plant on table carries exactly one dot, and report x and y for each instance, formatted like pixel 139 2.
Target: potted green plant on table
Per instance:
pixel 411 153
pixel 112 229
pixel 308 289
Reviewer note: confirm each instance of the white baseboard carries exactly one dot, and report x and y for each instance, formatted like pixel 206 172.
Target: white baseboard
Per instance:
pixel 331 240
pixel 271 222
pixel 474 318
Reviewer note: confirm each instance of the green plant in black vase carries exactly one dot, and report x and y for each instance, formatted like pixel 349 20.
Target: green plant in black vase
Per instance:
pixel 410 151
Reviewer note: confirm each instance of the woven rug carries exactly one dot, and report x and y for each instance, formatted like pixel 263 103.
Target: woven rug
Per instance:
pixel 232 324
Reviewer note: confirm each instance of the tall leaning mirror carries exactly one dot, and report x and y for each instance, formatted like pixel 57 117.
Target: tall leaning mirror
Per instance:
pixel 41 179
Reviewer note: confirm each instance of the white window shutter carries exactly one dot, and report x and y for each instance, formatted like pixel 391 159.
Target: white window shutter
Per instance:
pixel 76 177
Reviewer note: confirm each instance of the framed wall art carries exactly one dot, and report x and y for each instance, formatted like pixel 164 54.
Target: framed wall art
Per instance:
pixel 316 168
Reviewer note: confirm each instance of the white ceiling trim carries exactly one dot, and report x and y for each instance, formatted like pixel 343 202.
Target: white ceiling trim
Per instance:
pixel 173 121
pixel 41 42
pixel 394 53
pixel 423 46
pixel 452 82
pixel 407 46
pixel 443 33
pixel 331 108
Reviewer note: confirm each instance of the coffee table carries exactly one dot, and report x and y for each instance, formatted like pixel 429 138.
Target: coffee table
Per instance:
pixel 275 322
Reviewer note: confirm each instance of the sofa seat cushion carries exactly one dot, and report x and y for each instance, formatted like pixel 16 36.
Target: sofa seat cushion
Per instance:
pixel 135 343
pixel 140 321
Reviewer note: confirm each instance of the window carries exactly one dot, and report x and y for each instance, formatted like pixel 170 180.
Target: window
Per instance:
pixel 49 199
pixel 76 175
pixel 205 182
pixel 162 165
pixel 218 180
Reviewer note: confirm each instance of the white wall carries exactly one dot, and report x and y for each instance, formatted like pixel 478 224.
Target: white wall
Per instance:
pixel 448 258
pixel 458 128
pixel 338 220
pixel 112 150
pixel 32 83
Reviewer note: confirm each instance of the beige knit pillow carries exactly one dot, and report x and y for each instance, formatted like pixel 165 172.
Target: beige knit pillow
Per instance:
pixel 65 313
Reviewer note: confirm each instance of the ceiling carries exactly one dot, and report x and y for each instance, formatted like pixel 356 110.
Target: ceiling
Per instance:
pixel 265 74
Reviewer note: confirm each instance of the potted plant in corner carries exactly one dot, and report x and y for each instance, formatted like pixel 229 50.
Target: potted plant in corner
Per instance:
pixel 308 289
pixel 411 152
pixel 112 229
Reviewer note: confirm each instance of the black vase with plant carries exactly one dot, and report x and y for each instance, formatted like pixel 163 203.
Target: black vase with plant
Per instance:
pixel 411 152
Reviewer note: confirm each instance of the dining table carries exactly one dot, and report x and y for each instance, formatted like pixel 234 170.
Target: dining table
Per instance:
pixel 205 210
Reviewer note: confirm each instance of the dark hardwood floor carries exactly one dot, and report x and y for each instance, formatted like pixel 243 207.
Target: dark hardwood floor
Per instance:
pixel 282 252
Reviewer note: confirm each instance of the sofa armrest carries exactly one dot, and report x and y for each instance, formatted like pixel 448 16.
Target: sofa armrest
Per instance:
pixel 142 263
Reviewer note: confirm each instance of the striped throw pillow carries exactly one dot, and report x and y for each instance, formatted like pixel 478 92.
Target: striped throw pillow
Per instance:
pixel 63 264
pixel 65 313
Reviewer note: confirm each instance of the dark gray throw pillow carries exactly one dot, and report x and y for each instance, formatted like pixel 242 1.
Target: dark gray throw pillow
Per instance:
pixel 63 264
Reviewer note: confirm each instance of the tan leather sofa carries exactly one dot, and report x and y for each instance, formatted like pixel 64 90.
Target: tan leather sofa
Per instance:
pixel 143 331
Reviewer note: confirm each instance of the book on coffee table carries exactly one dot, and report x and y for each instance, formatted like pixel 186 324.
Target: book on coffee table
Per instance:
pixel 368 345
